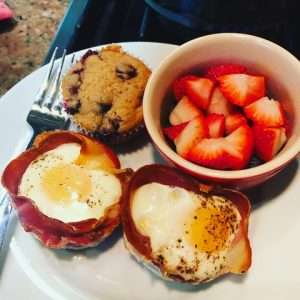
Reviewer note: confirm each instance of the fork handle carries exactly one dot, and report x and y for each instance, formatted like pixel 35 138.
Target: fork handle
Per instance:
pixel 36 132
pixel 6 208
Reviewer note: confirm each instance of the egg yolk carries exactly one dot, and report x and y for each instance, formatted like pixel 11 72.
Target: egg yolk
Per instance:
pixel 66 183
pixel 209 229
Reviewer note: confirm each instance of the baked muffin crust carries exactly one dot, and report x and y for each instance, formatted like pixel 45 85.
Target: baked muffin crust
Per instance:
pixel 104 90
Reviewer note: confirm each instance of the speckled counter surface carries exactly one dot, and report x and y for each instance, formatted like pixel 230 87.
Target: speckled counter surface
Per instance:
pixel 23 49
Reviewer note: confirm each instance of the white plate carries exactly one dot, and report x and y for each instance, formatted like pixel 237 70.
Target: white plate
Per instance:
pixel 108 271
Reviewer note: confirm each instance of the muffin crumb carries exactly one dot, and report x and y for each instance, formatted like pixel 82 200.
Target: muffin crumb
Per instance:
pixel 103 93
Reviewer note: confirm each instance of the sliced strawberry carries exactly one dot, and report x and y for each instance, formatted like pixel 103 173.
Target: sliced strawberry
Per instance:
pixel 242 89
pixel 199 90
pixel 240 144
pixel 216 125
pixel 210 153
pixel 179 86
pixel 184 111
pixel 266 112
pixel 214 72
pixel 173 131
pixel 193 132
pixel 232 152
pixel 233 121
pixel 268 141
pixel 219 104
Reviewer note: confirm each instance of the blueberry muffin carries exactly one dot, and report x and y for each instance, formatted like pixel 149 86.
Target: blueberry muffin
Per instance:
pixel 103 94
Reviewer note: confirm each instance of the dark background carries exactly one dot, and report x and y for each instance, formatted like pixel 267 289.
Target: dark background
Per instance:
pixel 96 22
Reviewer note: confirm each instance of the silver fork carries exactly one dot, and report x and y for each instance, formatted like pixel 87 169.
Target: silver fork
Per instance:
pixel 45 114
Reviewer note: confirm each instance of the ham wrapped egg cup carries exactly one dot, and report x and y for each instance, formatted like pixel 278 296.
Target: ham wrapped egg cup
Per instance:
pixel 67 189
pixel 182 230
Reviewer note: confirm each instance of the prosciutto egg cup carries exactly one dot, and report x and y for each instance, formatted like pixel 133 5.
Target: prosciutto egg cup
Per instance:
pixel 261 56
pixel 69 210
pixel 183 230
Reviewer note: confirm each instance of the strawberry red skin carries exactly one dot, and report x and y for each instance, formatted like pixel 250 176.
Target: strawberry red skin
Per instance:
pixel 242 89
pixel 266 112
pixel 173 131
pixel 234 121
pixel 216 125
pixel 209 153
pixel 268 141
pixel 199 90
pixel 231 152
pixel 179 86
pixel 243 141
pixel 193 132
pixel 214 72
pixel 184 111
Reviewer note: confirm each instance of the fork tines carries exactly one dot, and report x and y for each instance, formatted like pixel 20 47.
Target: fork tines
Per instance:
pixel 46 110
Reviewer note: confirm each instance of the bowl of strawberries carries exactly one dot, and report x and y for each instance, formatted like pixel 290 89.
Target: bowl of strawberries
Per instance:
pixel 225 108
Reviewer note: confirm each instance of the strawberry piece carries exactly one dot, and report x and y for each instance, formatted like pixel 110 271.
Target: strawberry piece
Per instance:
pixel 268 141
pixel 234 121
pixel 231 152
pixel 173 131
pixel 210 153
pixel 266 112
pixel 179 86
pixel 199 90
pixel 184 111
pixel 216 125
pixel 242 89
pixel 219 104
pixel 214 72
pixel 243 143
pixel 193 132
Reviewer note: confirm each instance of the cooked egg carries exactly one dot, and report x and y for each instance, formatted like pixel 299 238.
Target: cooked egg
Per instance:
pixel 190 234
pixel 65 190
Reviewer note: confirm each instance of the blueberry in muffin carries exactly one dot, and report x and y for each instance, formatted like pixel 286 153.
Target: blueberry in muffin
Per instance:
pixel 103 94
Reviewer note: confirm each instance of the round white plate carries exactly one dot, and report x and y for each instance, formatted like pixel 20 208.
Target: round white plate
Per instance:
pixel 108 271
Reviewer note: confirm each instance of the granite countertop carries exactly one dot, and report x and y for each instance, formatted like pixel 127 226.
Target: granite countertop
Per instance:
pixel 23 49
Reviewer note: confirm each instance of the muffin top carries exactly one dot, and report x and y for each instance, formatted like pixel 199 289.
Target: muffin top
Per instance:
pixel 104 90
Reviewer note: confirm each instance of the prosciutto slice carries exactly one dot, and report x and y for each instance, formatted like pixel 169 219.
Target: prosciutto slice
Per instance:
pixel 140 245
pixel 51 232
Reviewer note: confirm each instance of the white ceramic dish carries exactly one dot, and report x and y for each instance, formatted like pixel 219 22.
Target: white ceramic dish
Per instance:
pixel 108 272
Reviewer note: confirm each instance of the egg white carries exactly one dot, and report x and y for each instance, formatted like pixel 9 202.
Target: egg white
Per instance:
pixel 165 214
pixel 105 188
